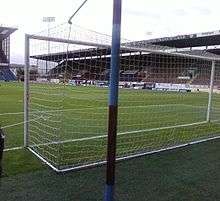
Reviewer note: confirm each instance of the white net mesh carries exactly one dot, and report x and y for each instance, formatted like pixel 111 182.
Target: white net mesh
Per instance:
pixel 163 101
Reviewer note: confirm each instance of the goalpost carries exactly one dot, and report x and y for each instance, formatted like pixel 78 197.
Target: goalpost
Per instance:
pixel 167 99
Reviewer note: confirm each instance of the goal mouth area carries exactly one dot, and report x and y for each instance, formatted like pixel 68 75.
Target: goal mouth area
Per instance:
pixel 63 169
pixel 83 140
pixel 149 144
pixel 80 147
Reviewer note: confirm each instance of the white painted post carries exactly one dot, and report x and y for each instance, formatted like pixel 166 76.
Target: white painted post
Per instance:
pixel 26 90
pixel 210 91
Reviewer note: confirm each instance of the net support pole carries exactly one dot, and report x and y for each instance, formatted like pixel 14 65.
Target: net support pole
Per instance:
pixel 210 91
pixel 113 101
pixel 26 90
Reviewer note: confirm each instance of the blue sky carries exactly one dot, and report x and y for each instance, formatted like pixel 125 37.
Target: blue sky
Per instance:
pixel 142 19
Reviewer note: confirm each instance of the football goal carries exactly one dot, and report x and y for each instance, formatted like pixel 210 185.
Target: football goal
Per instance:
pixel 167 98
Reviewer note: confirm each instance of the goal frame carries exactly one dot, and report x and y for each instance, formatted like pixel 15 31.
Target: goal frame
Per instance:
pixel 29 37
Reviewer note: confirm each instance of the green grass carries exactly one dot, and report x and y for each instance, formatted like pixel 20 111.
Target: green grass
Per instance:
pixel 190 173
pixel 185 174
pixel 19 162
pixel 11 101
pixel 72 113
pixel 82 113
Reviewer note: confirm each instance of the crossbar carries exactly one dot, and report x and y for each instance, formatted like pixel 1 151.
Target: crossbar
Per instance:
pixel 171 52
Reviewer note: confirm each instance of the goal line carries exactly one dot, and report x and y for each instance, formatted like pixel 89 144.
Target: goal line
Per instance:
pixel 95 164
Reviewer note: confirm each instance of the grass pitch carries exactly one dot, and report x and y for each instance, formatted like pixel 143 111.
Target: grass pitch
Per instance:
pixel 185 174
pixel 190 173
pixel 69 124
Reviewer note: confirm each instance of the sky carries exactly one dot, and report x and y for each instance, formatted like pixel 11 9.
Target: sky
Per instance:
pixel 141 19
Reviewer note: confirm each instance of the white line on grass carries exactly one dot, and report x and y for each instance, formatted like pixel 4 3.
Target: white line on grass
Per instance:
pixel 13 149
pixel 123 133
pixel 91 108
pixel 94 164
pixel 122 107
pixel 20 123
pixel 103 136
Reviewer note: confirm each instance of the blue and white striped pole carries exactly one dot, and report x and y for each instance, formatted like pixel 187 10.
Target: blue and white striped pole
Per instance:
pixel 113 101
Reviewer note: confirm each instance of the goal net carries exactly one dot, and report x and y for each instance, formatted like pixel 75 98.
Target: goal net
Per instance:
pixel 167 98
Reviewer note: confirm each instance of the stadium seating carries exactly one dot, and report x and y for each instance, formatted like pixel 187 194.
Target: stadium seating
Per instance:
pixel 105 75
pixel 149 68
pixel 6 74
pixel 129 75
